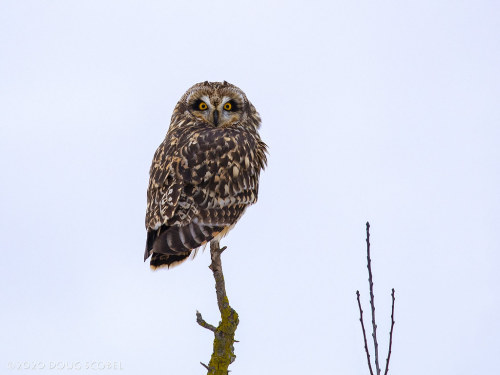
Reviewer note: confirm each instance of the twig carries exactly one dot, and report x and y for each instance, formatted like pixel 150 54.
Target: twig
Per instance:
pixel 364 333
pixel 204 365
pixel 203 323
pixel 374 324
pixel 372 297
pixel 390 335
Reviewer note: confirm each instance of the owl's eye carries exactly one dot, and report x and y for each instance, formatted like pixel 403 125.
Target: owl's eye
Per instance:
pixel 228 106
pixel 202 106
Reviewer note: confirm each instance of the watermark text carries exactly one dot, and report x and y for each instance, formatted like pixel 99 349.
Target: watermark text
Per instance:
pixel 65 365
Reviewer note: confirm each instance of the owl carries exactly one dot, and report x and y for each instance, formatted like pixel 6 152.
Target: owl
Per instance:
pixel 204 174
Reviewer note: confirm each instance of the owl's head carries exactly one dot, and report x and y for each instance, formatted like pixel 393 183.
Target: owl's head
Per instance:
pixel 219 104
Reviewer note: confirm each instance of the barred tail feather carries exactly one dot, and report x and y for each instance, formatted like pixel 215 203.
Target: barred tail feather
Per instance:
pixel 166 260
pixel 172 245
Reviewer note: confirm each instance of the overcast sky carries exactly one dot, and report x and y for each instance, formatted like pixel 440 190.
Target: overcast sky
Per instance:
pixel 385 111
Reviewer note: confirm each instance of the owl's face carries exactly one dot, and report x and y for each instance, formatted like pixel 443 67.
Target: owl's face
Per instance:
pixel 219 103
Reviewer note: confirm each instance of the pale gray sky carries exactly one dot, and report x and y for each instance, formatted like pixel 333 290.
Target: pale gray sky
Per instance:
pixel 382 111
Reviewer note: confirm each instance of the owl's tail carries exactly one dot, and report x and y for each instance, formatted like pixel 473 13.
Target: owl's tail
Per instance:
pixel 170 246
pixel 167 260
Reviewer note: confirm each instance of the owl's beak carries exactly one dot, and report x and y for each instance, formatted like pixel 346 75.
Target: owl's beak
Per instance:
pixel 216 117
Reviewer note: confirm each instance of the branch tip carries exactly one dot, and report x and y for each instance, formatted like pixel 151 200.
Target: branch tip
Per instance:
pixel 372 305
pixel 364 334
pixel 204 365
pixel 390 334
pixel 203 323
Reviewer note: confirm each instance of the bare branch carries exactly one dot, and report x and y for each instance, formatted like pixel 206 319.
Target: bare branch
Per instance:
pixel 372 297
pixel 390 334
pixel 204 365
pixel 364 333
pixel 203 323
pixel 216 267
pixel 374 324
pixel 223 350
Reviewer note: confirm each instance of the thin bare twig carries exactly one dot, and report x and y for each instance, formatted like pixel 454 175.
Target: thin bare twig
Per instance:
pixel 374 324
pixel 364 333
pixel 372 297
pixel 203 323
pixel 204 365
pixel 390 334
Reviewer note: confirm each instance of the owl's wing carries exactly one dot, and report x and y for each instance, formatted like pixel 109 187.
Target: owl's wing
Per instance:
pixel 165 187
pixel 201 181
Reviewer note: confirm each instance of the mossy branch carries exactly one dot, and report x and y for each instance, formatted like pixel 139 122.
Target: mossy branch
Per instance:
pixel 223 351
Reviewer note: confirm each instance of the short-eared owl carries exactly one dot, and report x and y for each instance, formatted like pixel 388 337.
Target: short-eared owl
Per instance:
pixel 204 174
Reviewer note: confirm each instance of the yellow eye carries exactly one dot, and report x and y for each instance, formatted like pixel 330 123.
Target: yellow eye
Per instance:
pixel 228 106
pixel 202 106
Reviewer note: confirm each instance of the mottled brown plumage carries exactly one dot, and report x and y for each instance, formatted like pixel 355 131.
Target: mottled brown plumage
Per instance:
pixel 204 174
